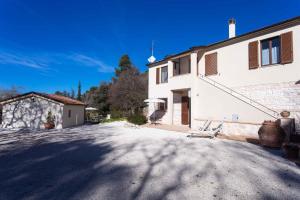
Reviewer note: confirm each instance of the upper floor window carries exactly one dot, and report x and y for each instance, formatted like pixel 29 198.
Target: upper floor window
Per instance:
pixel 69 114
pixel 270 51
pixel 182 66
pixel 164 74
pixel 275 50
pixel 211 64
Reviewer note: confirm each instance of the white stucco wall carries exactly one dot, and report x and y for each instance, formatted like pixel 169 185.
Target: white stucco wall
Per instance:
pixel 273 86
pixel 77 115
pixel 208 102
pixel 234 70
pixel 26 113
pixel 164 90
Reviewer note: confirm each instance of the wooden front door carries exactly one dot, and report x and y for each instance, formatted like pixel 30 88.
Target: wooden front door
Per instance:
pixel 185 110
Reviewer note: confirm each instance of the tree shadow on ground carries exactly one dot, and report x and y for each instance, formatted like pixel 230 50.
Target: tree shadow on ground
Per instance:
pixel 60 170
pixel 76 166
pixel 274 165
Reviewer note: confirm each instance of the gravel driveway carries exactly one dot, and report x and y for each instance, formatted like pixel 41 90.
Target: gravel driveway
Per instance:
pixel 113 161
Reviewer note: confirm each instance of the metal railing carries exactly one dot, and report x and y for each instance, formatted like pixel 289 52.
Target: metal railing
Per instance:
pixel 241 97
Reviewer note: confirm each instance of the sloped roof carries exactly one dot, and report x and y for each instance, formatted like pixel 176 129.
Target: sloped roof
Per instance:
pixel 54 97
pixel 64 100
pixel 274 27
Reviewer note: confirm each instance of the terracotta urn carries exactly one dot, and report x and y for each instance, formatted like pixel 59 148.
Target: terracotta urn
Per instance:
pixel 271 134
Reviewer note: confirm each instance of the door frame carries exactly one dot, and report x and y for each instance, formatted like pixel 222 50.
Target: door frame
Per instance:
pixel 188 110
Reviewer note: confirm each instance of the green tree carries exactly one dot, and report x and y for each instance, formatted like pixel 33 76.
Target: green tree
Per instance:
pixel 72 94
pixel 97 97
pixel 66 93
pixel 124 64
pixel 128 93
pixel 102 98
pixel 9 92
pixel 79 98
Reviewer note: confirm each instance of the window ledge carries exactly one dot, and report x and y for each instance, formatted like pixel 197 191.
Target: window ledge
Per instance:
pixel 270 65
pixel 180 75
pixel 162 83
pixel 212 75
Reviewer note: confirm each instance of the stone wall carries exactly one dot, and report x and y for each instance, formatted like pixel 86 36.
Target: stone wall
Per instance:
pixel 31 112
pixel 232 128
pixel 278 96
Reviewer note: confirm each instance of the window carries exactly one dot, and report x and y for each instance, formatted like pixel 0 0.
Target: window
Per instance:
pixel 176 70
pixel 211 64
pixel 164 74
pixel 163 106
pixel 69 113
pixel 182 66
pixel 270 51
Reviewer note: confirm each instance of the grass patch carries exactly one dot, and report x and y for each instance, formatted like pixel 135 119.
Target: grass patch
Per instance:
pixel 113 120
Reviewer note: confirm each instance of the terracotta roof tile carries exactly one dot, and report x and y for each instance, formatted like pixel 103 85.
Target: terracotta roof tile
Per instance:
pixel 54 97
pixel 64 100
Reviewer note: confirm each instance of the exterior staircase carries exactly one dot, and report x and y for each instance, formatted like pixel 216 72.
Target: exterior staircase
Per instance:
pixel 274 114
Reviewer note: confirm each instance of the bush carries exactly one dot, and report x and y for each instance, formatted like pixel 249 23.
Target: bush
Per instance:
pixel 137 119
pixel 116 114
pixel 113 120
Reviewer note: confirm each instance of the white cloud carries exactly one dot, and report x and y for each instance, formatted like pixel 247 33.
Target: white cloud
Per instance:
pixel 42 61
pixel 13 59
pixel 93 62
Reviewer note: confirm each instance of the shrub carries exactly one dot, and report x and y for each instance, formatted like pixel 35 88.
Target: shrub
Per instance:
pixel 50 118
pixel 116 114
pixel 113 120
pixel 137 119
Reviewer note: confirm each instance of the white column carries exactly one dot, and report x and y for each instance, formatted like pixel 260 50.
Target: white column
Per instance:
pixel 170 107
pixel 194 89
pixel 194 64
pixel 170 69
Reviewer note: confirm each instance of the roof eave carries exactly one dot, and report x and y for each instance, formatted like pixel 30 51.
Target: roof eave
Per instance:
pixel 175 56
pixel 271 28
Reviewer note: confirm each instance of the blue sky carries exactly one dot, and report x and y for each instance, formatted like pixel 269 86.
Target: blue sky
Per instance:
pixel 49 45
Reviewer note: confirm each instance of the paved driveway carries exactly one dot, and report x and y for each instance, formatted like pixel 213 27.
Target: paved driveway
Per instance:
pixel 115 162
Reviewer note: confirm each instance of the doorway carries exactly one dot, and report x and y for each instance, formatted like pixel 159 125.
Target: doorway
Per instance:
pixel 185 110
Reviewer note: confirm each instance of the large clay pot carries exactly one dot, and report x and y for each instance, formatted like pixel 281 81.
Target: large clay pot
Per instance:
pixel 49 125
pixel 271 134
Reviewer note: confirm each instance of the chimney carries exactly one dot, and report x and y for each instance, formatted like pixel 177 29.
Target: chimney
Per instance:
pixel 231 31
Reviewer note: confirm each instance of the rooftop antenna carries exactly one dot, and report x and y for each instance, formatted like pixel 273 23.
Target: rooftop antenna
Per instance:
pixel 152 59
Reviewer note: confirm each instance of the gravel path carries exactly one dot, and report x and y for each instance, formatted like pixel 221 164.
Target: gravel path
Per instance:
pixel 114 161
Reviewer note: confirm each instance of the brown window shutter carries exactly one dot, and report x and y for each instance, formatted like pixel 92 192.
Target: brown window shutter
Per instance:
pixel 286 47
pixel 211 64
pixel 157 75
pixel 253 55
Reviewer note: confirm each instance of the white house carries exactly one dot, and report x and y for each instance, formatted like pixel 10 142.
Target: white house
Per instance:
pixel 242 80
pixel 30 110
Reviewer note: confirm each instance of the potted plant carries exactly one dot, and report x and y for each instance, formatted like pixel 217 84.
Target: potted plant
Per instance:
pixel 50 121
